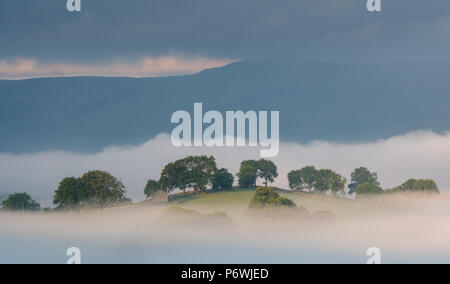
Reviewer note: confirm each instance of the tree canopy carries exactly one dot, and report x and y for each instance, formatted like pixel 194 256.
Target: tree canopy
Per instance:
pixel 420 185
pixel 368 189
pixel 360 176
pixel 295 180
pixel 328 180
pixel 267 197
pixel 191 172
pixel 266 170
pixel 103 188
pixel 94 188
pixel 222 179
pixel 320 181
pixel 175 175
pixel 415 186
pixel 71 193
pixel 250 171
pixel 201 169
pixel 408 185
pixel 20 202
pixel 309 177
pixel 426 186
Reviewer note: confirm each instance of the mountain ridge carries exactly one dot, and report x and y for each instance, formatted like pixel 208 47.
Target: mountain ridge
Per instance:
pixel 336 102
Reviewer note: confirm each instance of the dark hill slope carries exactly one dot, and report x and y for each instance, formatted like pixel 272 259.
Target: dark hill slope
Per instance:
pixel 327 101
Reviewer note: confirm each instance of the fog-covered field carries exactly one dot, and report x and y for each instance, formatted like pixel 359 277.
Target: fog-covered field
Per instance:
pixel 406 229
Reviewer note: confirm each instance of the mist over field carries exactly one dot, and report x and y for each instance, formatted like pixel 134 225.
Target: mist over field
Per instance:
pixel 422 154
pixel 406 229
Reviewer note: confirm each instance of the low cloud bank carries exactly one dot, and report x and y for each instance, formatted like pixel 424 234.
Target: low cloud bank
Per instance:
pixel 421 154
pixel 23 68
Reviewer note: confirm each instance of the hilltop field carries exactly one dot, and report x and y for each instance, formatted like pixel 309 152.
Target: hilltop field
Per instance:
pixel 236 201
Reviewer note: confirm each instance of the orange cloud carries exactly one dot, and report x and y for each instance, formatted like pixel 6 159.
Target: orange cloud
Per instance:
pixel 146 67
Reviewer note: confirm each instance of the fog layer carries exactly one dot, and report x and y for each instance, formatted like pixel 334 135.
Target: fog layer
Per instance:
pixel 405 229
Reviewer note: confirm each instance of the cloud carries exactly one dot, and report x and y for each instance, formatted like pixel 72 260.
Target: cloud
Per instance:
pixel 420 154
pixel 107 29
pixel 21 68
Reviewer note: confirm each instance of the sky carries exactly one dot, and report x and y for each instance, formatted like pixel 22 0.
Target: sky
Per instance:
pixel 154 37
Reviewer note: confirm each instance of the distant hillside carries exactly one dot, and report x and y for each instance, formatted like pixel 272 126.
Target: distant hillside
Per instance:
pixel 327 101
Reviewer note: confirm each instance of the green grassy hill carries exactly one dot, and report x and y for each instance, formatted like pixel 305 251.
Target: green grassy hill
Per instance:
pixel 238 200
pixel 235 202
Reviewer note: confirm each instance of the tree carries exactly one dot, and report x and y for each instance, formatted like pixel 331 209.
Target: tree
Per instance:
pixel 328 180
pixel 20 202
pixel 248 173
pixel 103 189
pixel 317 180
pixel 250 163
pixel 322 180
pixel 175 175
pixel 71 193
pixel 267 197
pixel 426 186
pixel 360 176
pixel 151 187
pixel 295 180
pixel 96 188
pixel 368 189
pixel 417 185
pixel 337 184
pixel 201 169
pixel 309 177
pixel 266 170
pixel 191 172
pixel 222 179
pixel 247 177
pixel 408 185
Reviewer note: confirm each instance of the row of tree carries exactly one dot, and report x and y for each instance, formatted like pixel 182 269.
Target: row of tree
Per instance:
pixel 191 173
pixel 199 173
pixel 313 180
pixel 94 189
pixel 363 182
